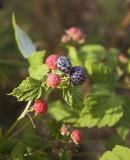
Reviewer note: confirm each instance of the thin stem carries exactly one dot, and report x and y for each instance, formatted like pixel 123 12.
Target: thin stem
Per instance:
pixel 33 124
pixel 22 115
pixel 48 94
pixel 25 110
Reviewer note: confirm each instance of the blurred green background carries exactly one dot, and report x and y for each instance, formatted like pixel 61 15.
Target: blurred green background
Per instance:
pixel 105 22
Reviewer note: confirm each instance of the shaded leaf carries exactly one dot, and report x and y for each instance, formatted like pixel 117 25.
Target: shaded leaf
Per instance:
pixel 92 52
pixel 18 151
pixel 24 43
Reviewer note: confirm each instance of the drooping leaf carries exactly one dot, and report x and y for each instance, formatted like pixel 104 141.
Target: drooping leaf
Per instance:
pixel 102 108
pixel 24 43
pixel 61 112
pixel 118 153
pixel 29 89
pixel 73 96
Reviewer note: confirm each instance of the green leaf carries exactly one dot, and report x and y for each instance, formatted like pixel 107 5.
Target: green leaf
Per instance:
pixel 102 107
pixel 73 96
pixel 36 58
pixel 37 69
pixel 32 140
pixel 123 126
pixel 100 73
pixel 18 151
pixel 61 113
pixel 112 58
pixel 118 153
pixel 29 89
pixel 24 43
pixel 39 72
pixel 92 52
pixel 122 131
pixel 73 54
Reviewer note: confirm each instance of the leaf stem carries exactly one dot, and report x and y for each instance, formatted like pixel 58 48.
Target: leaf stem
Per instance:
pixel 48 94
pixel 22 115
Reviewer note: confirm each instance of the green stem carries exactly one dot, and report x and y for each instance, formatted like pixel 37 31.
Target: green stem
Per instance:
pixel 48 94
pixel 22 115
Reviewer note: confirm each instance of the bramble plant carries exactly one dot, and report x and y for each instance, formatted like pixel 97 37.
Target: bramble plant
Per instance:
pixel 89 84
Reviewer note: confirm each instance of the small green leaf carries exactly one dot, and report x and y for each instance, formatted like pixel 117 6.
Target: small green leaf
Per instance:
pixel 118 153
pixel 29 89
pixel 24 43
pixel 122 131
pixel 36 58
pixel 37 69
pixel 73 96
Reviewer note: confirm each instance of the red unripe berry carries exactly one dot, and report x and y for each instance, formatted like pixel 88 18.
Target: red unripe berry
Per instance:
pixel 53 80
pixel 64 130
pixel 76 136
pixel 40 106
pixel 51 61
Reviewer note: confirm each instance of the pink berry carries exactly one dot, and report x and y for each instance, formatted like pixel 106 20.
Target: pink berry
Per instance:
pixel 76 136
pixel 53 80
pixel 122 58
pixel 65 38
pixel 64 130
pixel 76 34
pixel 72 30
pixel 40 106
pixel 51 61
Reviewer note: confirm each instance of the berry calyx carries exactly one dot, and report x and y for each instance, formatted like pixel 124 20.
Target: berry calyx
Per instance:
pixel 64 130
pixel 40 106
pixel 51 61
pixel 77 75
pixel 53 80
pixel 64 64
pixel 76 136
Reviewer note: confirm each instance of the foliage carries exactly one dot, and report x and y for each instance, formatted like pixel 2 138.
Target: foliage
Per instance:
pixel 94 104
pixel 118 153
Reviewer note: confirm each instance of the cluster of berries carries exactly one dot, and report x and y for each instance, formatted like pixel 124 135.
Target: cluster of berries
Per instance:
pixel 77 74
pixel 74 134
pixel 40 107
pixel 74 34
